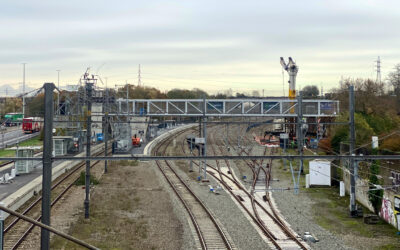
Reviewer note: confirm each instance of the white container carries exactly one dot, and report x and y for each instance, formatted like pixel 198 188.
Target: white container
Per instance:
pixel 199 140
pixel 341 192
pixel 320 173
pixel 375 142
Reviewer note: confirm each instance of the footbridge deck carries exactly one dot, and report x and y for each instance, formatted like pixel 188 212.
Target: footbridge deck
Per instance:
pixel 227 107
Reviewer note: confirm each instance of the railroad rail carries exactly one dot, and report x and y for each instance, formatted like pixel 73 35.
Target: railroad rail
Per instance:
pixel 209 232
pixel 9 162
pixel 267 177
pixel 17 231
pixel 278 233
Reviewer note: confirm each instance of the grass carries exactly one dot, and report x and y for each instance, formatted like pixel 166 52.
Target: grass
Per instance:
pixel 113 223
pixel 388 247
pixel 31 142
pixel 331 212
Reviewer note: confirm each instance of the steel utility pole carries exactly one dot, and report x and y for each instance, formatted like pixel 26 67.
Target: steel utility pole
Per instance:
pixel 58 92
pixel 353 209
pixel 139 78
pixel 89 86
pixel 191 153
pixel 200 147
pixel 300 135
pixel 127 98
pixel 205 138
pixel 23 90
pixel 1 227
pixel 47 164
pixel 106 130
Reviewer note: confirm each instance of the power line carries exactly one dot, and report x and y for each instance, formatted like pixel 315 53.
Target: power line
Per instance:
pixel 23 90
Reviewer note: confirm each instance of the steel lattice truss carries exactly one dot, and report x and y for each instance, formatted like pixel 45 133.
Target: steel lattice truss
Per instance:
pixel 227 107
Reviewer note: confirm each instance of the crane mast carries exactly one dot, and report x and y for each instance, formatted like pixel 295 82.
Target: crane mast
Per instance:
pixel 292 70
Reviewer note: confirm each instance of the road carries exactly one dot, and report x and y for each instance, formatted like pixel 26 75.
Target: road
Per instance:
pixel 12 137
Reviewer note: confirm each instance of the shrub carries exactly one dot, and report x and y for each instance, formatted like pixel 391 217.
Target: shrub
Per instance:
pixel 391 143
pixel 81 180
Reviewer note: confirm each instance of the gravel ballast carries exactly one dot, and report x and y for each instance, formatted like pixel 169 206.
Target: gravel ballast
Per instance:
pixel 239 228
pixel 298 212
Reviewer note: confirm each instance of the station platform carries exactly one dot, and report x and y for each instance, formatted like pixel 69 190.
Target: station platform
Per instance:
pixel 25 186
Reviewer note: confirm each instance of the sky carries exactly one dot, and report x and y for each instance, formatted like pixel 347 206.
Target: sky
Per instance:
pixel 212 45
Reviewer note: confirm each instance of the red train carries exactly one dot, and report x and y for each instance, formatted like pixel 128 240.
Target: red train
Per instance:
pixel 32 124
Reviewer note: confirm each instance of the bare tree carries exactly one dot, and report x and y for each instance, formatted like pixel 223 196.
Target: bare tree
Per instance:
pixel 394 80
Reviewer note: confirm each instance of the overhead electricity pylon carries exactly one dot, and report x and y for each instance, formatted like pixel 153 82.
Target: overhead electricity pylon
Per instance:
pixel 378 70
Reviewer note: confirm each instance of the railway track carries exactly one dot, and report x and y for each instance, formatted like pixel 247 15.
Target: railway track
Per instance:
pixel 9 162
pixel 17 231
pixel 210 234
pixel 265 217
pixel 264 173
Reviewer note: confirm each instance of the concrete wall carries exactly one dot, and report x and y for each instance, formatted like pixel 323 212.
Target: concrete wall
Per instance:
pixel 149 147
pixel 361 189
pixel 387 211
pixel 139 124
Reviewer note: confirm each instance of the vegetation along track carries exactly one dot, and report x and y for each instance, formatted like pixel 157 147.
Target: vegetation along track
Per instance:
pixel 210 233
pixel 17 231
pixel 276 231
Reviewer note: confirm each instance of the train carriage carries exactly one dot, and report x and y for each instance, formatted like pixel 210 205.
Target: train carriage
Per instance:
pixel 13 119
pixel 32 124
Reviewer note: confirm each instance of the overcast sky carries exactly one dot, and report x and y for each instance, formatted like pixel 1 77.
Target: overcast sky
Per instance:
pixel 213 45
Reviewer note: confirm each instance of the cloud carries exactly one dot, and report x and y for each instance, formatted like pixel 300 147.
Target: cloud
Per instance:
pixel 212 44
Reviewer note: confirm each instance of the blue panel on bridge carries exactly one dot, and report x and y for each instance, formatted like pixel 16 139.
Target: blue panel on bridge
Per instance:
pixel 269 105
pixel 142 111
pixel 326 106
pixel 215 105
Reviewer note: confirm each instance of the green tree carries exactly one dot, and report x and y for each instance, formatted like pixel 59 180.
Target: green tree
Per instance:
pixel 140 92
pixel 35 105
pixel 310 91
pixel 341 132
pixel 11 104
pixel 186 94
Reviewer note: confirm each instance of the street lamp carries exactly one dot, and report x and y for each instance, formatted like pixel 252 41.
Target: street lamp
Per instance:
pixel 58 92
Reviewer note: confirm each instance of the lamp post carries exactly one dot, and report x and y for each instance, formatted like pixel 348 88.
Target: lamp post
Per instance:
pixel 58 92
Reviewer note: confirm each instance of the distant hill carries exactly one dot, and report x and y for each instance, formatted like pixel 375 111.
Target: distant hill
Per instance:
pixel 13 90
